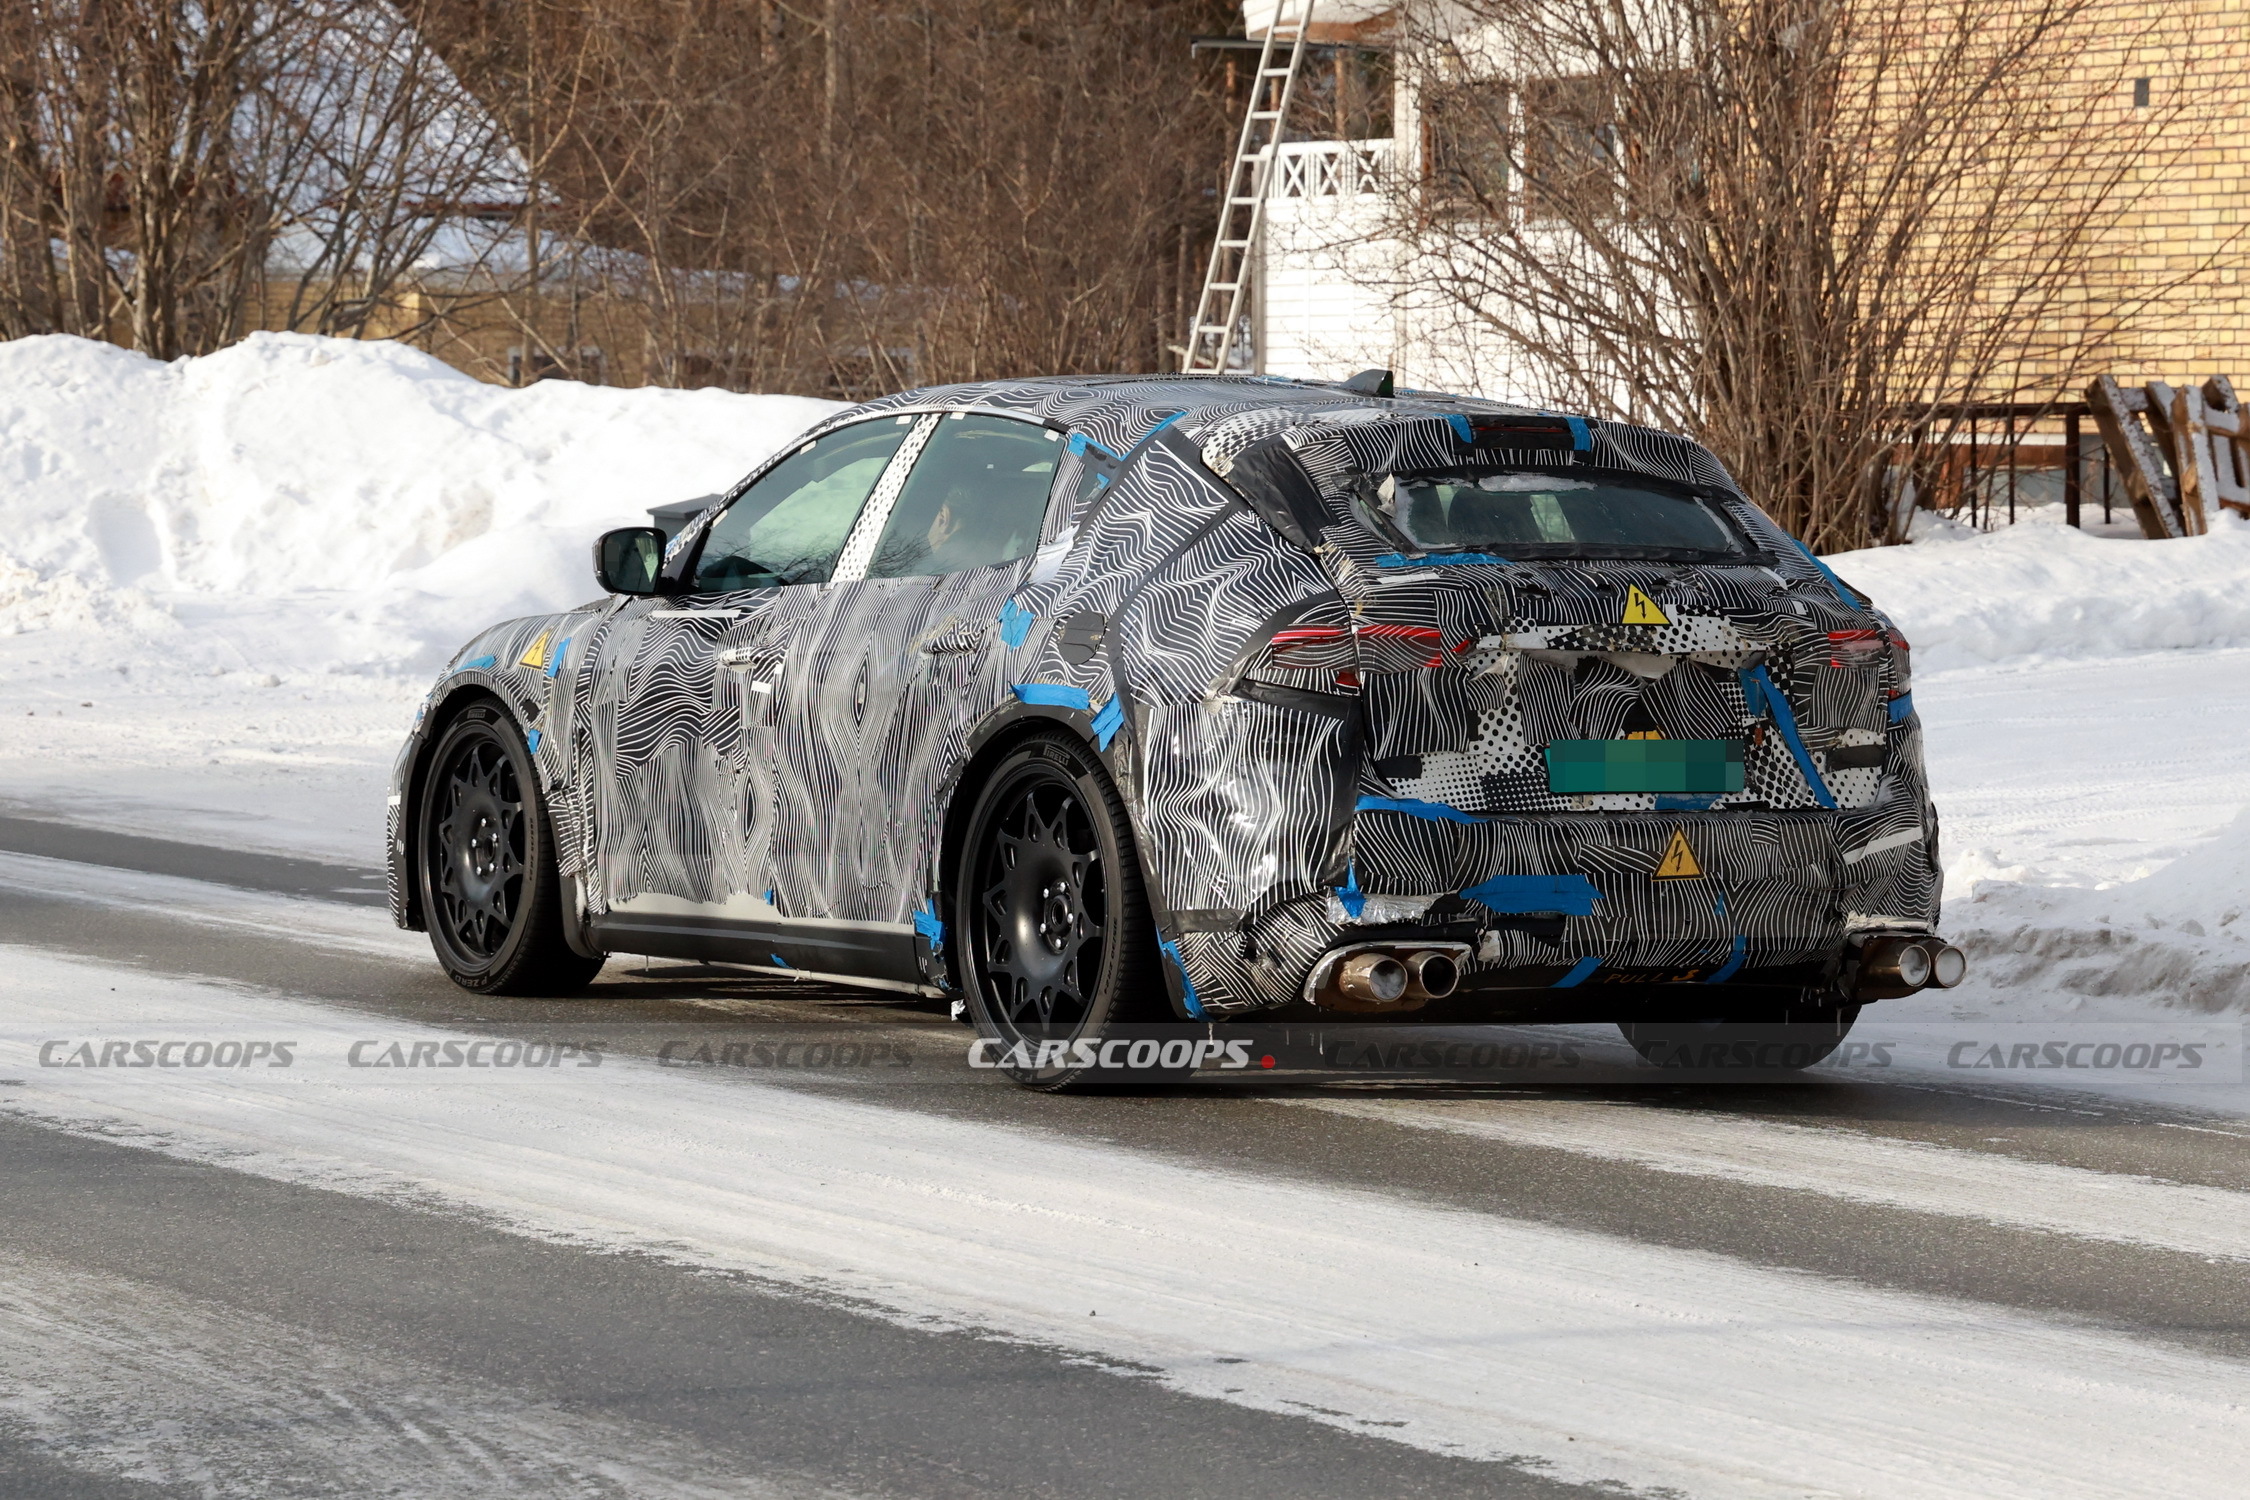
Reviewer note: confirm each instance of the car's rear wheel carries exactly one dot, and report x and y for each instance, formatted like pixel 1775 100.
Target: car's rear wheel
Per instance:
pixel 1754 1043
pixel 1057 943
pixel 490 891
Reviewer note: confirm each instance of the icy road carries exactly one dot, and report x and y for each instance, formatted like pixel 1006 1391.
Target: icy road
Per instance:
pixel 895 1276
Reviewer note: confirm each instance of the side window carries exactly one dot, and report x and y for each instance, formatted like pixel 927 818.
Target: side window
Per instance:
pixel 789 526
pixel 975 499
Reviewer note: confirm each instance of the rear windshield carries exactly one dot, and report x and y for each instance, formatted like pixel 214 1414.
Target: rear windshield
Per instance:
pixel 1520 513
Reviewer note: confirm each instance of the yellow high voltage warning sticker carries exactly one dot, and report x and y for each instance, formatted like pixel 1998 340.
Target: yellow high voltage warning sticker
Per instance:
pixel 1679 860
pixel 535 655
pixel 1640 609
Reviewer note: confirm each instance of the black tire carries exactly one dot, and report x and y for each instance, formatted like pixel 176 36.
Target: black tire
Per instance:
pixel 1056 941
pixel 485 861
pixel 1782 1041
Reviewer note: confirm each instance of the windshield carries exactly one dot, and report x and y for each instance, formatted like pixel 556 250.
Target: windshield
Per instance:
pixel 1525 514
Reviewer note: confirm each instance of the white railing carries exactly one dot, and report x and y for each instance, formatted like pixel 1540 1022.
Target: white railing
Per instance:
pixel 1330 169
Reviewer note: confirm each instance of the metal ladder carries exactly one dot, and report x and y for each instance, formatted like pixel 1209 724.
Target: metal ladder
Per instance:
pixel 1213 336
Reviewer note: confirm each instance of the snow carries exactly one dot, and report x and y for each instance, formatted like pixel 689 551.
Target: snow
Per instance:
pixel 225 581
pixel 1591 1357
pixel 2086 710
pixel 1851 1165
pixel 2039 592
pixel 133 1377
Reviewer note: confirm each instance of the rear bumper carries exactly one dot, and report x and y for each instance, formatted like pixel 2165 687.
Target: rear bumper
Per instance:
pixel 1563 913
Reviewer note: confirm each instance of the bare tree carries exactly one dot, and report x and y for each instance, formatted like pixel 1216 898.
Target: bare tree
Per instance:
pixel 849 198
pixel 175 172
pixel 1798 230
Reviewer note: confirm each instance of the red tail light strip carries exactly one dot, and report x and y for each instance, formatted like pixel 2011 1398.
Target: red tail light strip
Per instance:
pixel 1855 648
pixel 1400 648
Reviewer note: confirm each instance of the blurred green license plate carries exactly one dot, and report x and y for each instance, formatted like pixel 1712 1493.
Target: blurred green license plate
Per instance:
pixel 1577 768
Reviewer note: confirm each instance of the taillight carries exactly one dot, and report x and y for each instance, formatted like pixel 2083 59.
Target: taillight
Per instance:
pixel 1342 653
pixel 1856 648
pixel 1902 664
pixel 1399 648
pixel 1327 650
pixel 1311 647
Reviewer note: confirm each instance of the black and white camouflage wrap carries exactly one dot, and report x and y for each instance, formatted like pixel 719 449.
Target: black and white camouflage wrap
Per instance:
pixel 772 769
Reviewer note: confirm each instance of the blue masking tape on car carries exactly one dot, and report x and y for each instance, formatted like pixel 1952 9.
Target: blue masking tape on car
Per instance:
pixel 531 741
pixel 1579 973
pixel 1107 723
pixel 1437 560
pixel 1520 895
pixel 1462 429
pixel 1015 623
pixel 927 924
pixel 1825 571
pixel 1171 950
pixel 1149 436
pixel 1436 812
pixel 1053 695
pixel 474 664
pixel 1735 958
pixel 1785 723
pixel 1901 706
pixel 1349 895
pixel 1079 443
pixel 555 665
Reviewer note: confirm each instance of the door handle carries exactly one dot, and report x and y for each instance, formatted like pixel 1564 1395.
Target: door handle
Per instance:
pixel 954 642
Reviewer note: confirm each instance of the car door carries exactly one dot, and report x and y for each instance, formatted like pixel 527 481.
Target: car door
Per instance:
pixel 694 818
pixel 941 558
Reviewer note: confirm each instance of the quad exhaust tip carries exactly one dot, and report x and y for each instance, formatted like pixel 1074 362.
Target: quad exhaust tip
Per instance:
pixel 1387 976
pixel 1432 974
pixel 1372 978
pixel 1895 966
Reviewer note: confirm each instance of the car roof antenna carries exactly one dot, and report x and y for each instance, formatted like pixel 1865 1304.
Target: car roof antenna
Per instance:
pixel 1370 383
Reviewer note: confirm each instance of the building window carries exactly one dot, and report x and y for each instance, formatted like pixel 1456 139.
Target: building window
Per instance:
pixel 1465 147
pixel 2140 93
pixel 1569 148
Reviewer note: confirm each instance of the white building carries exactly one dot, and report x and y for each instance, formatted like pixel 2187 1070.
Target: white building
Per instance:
pixel 1334 293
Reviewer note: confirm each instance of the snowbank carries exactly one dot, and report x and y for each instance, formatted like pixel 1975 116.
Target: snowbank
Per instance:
pixel 395 502
pixel 2034 591
pixel 225 581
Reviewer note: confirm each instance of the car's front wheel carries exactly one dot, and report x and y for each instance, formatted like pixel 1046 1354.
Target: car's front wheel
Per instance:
pixel 1057 944
pixel 490 891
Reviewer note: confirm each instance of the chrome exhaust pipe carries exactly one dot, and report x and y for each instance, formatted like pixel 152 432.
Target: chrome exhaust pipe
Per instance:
pixel 1432 974
pixel 1948 965
pixel 1372 978
pixel 1894 964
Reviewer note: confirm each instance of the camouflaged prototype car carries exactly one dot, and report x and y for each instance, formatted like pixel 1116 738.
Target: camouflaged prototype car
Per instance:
pixel 1094 701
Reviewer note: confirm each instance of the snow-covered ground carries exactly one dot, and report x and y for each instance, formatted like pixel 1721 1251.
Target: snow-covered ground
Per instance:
pixel 224 582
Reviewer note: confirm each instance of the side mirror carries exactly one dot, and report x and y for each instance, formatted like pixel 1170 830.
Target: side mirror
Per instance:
pixel 629 560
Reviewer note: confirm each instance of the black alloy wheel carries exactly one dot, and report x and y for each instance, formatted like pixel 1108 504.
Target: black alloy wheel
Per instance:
pixel 490 892
pixel 1057 941
pixel 1781 1041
